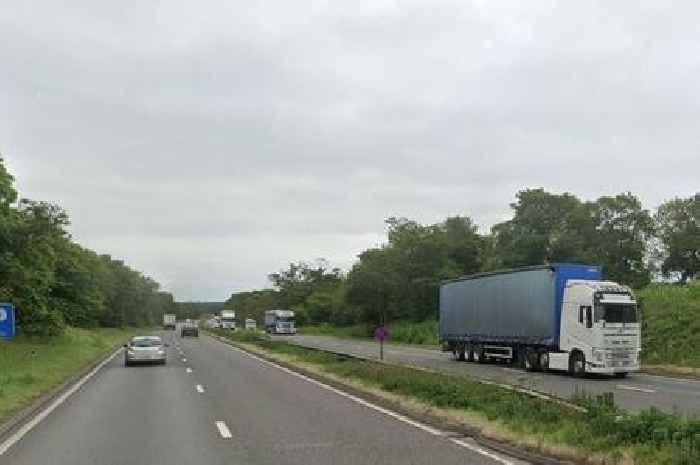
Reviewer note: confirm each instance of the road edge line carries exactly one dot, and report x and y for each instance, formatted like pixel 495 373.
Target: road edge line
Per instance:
pixel 491 454
pixel 16 431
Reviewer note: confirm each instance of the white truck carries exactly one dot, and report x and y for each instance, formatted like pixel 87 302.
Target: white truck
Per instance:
pixel 227 319
pixel 280 322
pixel 549 317
pixel 250 324
pixel 169 321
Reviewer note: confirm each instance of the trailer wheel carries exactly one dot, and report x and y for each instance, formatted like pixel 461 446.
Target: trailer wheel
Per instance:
pixel 532 360
pixel 543 361
pixel 470 353
pixel 577 364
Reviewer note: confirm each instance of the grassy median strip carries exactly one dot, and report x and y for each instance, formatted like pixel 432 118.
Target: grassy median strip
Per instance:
pixel 32 367
pixel 604 434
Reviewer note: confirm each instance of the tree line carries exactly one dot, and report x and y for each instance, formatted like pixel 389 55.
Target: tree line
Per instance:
pixel 54 282
pixel 400 279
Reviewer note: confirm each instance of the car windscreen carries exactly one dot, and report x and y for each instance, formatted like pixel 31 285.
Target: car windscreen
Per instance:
pixel 146 342
pixel 618 313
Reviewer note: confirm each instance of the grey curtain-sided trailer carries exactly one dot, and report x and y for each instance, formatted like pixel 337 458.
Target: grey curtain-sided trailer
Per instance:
pixel 514 306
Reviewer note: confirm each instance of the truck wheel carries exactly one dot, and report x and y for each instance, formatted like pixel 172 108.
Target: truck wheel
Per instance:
pixel 459 352
pixel 470 353
pixel 544 361
pixel 479 355
pixel 577 364
pixel 532 360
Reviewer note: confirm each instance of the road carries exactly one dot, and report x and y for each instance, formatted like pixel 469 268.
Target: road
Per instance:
pixel 636 392
pixel 212 404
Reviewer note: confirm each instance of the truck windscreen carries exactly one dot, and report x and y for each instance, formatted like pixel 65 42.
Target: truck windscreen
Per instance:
pixel 285 319
pixel 617 313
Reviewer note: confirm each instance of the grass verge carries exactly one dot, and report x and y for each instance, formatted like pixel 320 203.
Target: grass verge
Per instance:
pixel 403 332
pixel 604 434
pixel 32 367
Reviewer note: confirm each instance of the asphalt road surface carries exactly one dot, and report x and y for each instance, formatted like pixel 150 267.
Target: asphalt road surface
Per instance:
pixel 212 404
pixel 636 392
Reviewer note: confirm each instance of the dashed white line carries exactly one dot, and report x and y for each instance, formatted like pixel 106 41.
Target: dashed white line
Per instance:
pixel 188 370
pixel 635 388
pixel 184 360
pixel 397 416
pixel 223 430
pixel 200 389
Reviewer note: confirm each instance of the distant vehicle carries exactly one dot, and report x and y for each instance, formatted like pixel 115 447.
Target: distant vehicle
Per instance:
pixel 145 349
pixel 280 322
pixel 189 328
pixel 169 321
pixel 212 323
pixel 551 317
pixel 228 319
pixel 250 324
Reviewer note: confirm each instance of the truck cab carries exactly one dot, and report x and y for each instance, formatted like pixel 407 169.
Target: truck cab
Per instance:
pixel 280 322
pixel 600 329
pixel 228 319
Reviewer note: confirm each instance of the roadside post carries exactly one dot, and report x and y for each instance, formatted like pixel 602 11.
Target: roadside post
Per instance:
pixel 380 334
pixel 7 321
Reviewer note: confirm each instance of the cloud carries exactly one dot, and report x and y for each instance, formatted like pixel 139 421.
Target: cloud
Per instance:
pixel 209 143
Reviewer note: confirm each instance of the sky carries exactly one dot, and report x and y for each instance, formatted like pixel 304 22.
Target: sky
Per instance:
pixel 210 143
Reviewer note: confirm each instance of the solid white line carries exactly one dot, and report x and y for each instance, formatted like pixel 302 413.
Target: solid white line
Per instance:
pixel 188 370
pixel 200 389
pixel 635 388
pixel 479 450
pixel 223 430
pixel 396 416
pixel 27 427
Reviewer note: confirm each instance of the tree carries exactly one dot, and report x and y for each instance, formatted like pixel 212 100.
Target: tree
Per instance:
pixel 623 229
pixel 678 223
pixel 545 228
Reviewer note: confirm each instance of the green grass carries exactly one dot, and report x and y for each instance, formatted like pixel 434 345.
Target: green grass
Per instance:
pixel 405 332
pixel 671 324
pixel 31 367
pixel 650 437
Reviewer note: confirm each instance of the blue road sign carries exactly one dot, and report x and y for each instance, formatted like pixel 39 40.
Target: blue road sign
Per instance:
pixel 7 321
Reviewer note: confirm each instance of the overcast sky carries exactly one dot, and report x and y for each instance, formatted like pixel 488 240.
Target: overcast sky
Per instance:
pixel 211 142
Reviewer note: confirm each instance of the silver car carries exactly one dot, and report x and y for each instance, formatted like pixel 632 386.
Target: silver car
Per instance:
pixel 145 349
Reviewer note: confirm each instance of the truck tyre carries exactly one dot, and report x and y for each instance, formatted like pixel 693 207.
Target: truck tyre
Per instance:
pixel 532 360
pixel 543 361
pixel 470 353
pixel 577 364
pixel 459 355
pixel 479 355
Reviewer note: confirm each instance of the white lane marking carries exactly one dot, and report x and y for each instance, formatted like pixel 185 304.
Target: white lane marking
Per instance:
pixel 27 427
pixel 188 370
pixel 200 389
pixel 184 360
pixel 635 388
pixel 223 430
pixel 479 450
pixel 396 416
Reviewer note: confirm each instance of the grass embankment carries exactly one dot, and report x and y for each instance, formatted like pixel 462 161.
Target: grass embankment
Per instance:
pixel 671 325
pixel 404 332
pixel 32 367
pixel 604 434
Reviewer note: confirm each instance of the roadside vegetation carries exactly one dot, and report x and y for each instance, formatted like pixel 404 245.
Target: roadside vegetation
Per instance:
pixel 602 434
pixel 32 366
pixel 55 283
pixel 397 282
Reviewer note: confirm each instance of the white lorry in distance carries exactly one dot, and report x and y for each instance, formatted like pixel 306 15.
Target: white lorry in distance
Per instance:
pixel 280 322
pixel 228 319
pixel 250 324
pixel 169 321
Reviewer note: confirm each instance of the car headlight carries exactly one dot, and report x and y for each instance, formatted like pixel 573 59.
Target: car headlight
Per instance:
pixel 130 352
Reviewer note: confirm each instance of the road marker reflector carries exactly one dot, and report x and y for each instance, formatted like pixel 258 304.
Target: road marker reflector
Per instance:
pixel 200 389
